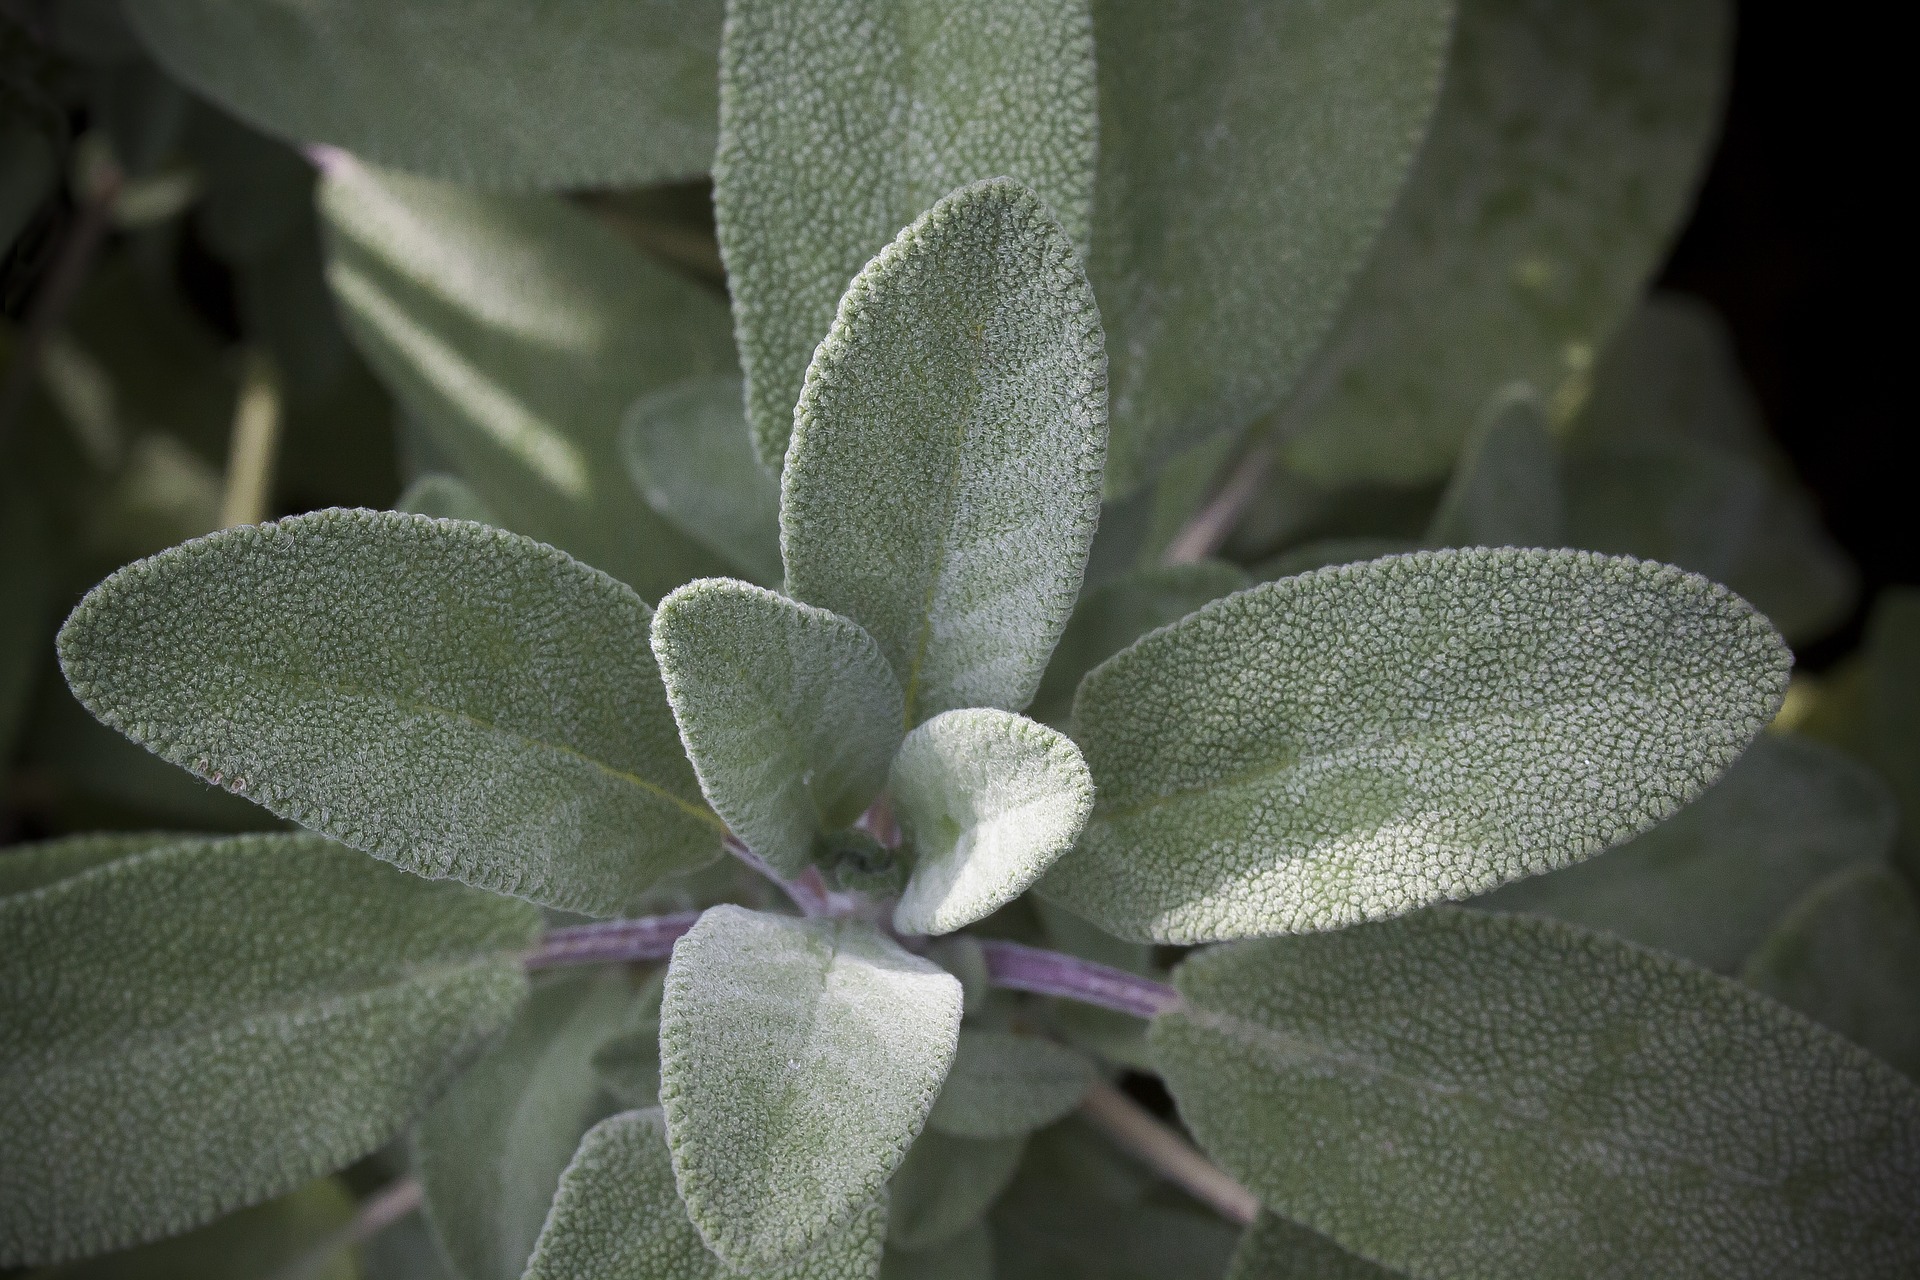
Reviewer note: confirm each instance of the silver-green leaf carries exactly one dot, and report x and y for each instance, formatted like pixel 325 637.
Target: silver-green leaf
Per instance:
pixel 224 1020
pixel 1249 154
pixel 789 713
pixel 943 482
pixel 1459 1093
pixel 842 120
pixel 492 93
pixel 1506 489
pixel 798 1060
pixel 1359 741
pixel 617 1216
pixel 1003 1085
pixel 455 699
pixel 987 800
pixel 687 450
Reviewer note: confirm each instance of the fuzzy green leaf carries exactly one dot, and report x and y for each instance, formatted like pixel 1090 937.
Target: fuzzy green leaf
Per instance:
pixel 304 1231
pixel 492 93
pixel 1249 154
pixel 1563 156
pixel 946 1185
pixel 1458 1093
pixel 798 1059
pixel 1114 614
pixel 967 1256
pixel 25 867
pixel 617 1216
pixel 789 713
pixel 224 1020
pixel 944 479
pixel 516 331
pixel 1709 883
pixel 490 1152
pixel 1003 1085
pixel 1506 489
pixel 457 700
pixel 987 800
pixel 842 120
pixel 445 497
pixel 1359 741
pixel 1275 1249
pixel 1848 956
pixel 688 450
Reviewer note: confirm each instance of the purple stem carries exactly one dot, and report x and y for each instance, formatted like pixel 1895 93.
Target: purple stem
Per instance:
pixel 611 941
pixel 1050 973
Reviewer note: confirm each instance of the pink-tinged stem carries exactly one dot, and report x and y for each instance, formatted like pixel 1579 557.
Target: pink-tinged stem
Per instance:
pixel 611 941
pixel 1050 973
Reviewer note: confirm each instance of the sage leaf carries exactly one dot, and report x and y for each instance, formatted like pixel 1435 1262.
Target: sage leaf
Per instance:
pixel 1275 1249
pixel 1249 154
pixel 484 92
pixel 944 477
pixel 627 1063
pixel 842 120
pixel 1848 956
pixel 789 713
pixel 967 1256
pixel 1709 883
pixel 457 700
pixel 688 451
pixel 1421 727
pixel 305 1229
pixel 516 331
pixel 988 800
pixel 1603 117
pixel 1004 1085
pixel 444 497
pixel 1114 614
pixel 1457 1093
pixel 1506 489
pixel 946 1185
pixel 25 867
pixel 491 1151
pixel 617 1214
pixel 798 1059
pixel 250 1013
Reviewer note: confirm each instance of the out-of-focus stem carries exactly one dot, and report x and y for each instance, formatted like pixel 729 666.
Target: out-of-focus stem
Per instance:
pixel 612 941
pixel 1204 534
pixel 255 441
pixel 1138 1132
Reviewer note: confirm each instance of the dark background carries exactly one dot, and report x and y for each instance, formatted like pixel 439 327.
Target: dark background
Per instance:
pixel 1794 243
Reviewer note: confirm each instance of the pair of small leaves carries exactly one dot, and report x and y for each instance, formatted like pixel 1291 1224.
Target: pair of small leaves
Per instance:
pixel 1424 727
pixel 254 1012
pixel 1511 1096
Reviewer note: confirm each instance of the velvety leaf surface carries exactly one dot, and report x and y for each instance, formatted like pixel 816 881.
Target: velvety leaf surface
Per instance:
pixel 1709 883
pixel 1848 956
pixel 987 800
pixel 444 497
pixel 1249 154
pixel 516 331
pixel 1359 741
pixel 617 1216
pixel 1275 1249
pixel 1466 1094
pixel 688 450
pixel 25 867
pixel 944 477
pixel 1506 489
pixel 1114 614
pixel 789 713
pixel 490 1152
pixel 842 120
pixel 223 1021
pixel 457 700
pixel 967 1256
pixel 798 1059
pixel 946 1185
pixel 1003 1085
pixel 491 93
pixel 1562 158
pixel 259 1241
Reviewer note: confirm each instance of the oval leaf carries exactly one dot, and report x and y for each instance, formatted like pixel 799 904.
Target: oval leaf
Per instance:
pixel 1465 1094
pixel 687 449
pixel 1249 153
pixel 1359 741
pixel 947 1184
pixel 841 120
pixel 457 700
pixel 987 800
pixel 492 93
pixel 798 1059
pixel 617 1214
pixel 225 1020
pixel 1506 488
pixel 943 483
pixel 789 713
pixel 1003 1085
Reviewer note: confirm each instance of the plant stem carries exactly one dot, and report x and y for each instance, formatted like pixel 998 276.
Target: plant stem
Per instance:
pixel 1209 528
pixel 1135 1130
pixel 376 1213
pixel 808 890
pixel 1051 973
pixel 611 941
pixel 256 431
